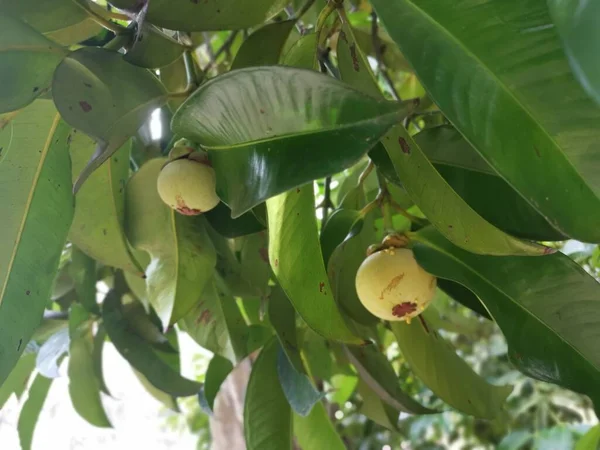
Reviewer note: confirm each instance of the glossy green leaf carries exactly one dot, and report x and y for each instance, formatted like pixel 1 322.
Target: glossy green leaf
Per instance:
pixel 576 23
pixel 464 296
pixel 316 431
pixel 297 262
pixel 446 210
pixel 343 266
pixel 84 387
pixel 283 317
pixel 512 95
pixel 37 208
pixel 264 46
pixel 220 219
pixel 30 412
pixel 299 390
pixel 18 378
pixel 153 48
pixel 258 336
pixel 27 63
pixel 539 304
pixel 260 124
pixel 478 184
pixel 99 93
pixel 186 15
pixel 436 363
pixel 336 229
pixel 182 256
pixel 97 227
pixel 140 354
pixel 83 271
pixel 376 371
pixel 216 324
pixel 218 370
pixel 590 440
pixel 254 260
pixel 267 414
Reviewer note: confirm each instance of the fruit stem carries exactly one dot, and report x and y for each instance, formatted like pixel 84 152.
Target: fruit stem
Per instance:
pixel 384 203
pixel 409 216
pixel 365 173
pixel 331 6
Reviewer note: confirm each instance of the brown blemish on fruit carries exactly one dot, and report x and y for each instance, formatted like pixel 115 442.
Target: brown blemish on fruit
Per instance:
pixel 402 309
pixel 391 285
pixel 182 208
pixel 85 106
pixel 404 145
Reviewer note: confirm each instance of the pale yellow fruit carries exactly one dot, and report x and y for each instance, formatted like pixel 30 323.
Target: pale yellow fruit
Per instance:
pixel 188 186
pixel 392 286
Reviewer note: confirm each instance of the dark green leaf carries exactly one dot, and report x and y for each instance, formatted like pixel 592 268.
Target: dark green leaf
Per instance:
pixel 316 431
pixel 303 53
pixel 376 371
pixel 283 317
pixel 140 354
pixel 83 271
pixel 260 124
pixel 464 296
pixel 182 255
pixel 30 412
pixel 37 208
pixel 548 308
pixel 297 387
pixel 436 363
pixel 186 15
pixel 84 387
pixel 336 229
pixel 99 340
pixel 99 93
pixel 167 400
pixel 264 46
pixel 217 372
pixel 446 210
pixel 216 323
pixel 297 262
pixel 267 414
pixel 258 336
pixel 512 95
pixel 97 227
pixel 153 49
pixel 254 261
pixel 220 219
pixel 27 64
pixel 317 356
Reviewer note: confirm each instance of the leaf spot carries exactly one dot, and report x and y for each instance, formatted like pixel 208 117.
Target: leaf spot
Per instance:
pixel 537 151
pixel 354 58
pixel 85 106
pixel 19 346
pixel 321 286
pixel 27 292
pixel 404 145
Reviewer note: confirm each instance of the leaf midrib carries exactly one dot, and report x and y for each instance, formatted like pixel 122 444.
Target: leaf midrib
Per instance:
pixel 492 75
pixel 28 203
pixel 429 243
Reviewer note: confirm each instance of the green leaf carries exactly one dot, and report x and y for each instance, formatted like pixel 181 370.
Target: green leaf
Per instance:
pixel 267 414
pixel 316 354
pixel 376 371
pixel 343 266
pixel 83 272
pixel 99 93
pixel 27 63
pixel 18 378
pixel 99 340
pixel 218 370
pixel 283 317
pixel 186 15
pixel 316 431
pixel 303 53
pixel 375 409
pixel 264 46
pixel 140 354
pixel 84 387
pixel 297 262
pixel 254 260
pixel 436 363
pixel 512 95
pixel 220 219
pixel 37 208
pixel 539 304
pixel 580 35
pixel 30 412
pixel 336 229
pixel 182 255
pixel 590 440
pixel 153 49
pixel 297 387
pixel 477 183
pixel 260 124
pixel 97 227
pixel 167 400
pixel 446 210
pixel 216 324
